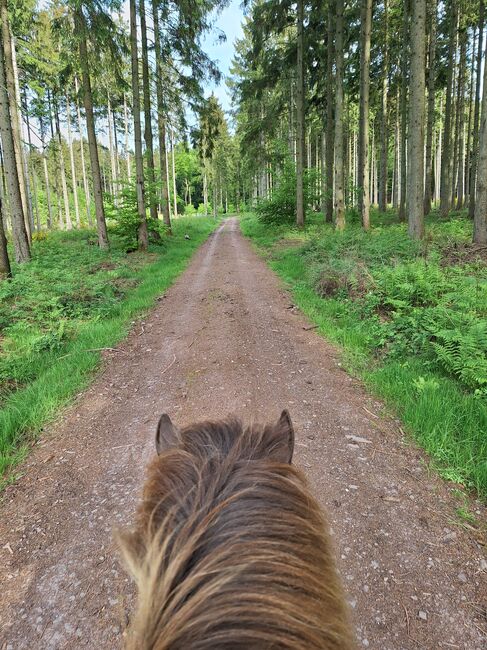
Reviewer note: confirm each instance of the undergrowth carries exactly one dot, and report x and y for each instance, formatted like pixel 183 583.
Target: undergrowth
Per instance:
pixel 411 318
pixel 61 309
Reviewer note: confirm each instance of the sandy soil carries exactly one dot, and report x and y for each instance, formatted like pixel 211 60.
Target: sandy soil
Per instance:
pixel 225 338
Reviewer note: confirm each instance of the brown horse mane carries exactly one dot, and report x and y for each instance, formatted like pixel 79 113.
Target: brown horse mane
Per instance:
pixel 230 549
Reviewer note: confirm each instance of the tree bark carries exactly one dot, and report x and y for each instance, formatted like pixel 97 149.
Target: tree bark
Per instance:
pixel 149 147
pixel 480 214
pixel 384 130
pixel 300 208
pixel 404 108
pixel 21 242
pixel 475 135
pixel 445 190
pixel 139 164
pixel 330 127
pixel 73 168
pixel 339 178
pixel 5 270
pixel 86 186
pixel 416 122
pixel 111 146
pixel 126 125
pixel 173 167
pixel 11 87
pixel 64 185
pixel 460 178
pixel 161 120
pixel 363 155
pixel 428 183
pixel 81 28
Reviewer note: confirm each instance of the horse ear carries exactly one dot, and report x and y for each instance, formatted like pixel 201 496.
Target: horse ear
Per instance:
pixel 281 445
pixel 167 435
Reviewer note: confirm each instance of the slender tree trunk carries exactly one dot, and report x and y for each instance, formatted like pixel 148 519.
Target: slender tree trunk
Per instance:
pixel 111 146
pixel 460 179
pixel 384 131
pixel 431 107
pixel 363 156
pixel 161 120
pixel 470 117
pixel 445 190
pixel 5 270
pixel 339 178
pixel 35 202
pixel 86 186
pixel 173 165
pixel 149 147
pixel 416 122
pixel 15 127
pixel 139 164
pixel 397 137
pixel 46 171
pixel 64 185
pixel 300 215
pixel 81 28
pixel 404 107
pixel 480 214
pixel 475 135
pixel 126 125
pixel 20 239
pixel 55 156
pixel 73 168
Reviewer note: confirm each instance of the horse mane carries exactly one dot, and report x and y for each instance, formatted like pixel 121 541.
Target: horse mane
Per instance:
pixel 230 550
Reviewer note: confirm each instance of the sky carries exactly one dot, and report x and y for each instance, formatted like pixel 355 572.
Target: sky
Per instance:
pixel 229 22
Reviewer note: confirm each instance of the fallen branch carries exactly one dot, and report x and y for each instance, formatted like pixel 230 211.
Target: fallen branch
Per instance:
pixel 169 366
pixel 311 327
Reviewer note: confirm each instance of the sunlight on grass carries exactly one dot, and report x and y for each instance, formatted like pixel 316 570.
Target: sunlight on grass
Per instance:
pixel 412 324
pixel 59 311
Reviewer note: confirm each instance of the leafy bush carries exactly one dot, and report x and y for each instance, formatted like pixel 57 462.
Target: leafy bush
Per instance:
pixel 127 220
pixel 281 207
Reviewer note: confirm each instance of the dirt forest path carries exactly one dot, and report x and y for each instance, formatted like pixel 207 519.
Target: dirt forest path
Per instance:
pixel 225 339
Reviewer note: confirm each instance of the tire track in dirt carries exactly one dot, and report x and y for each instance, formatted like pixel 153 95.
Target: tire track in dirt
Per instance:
pixel 224 339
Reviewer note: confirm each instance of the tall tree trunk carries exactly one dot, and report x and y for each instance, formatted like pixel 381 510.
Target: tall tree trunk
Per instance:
pixel 55 157
pixel 300 209
pixel 173 166
pixel 339 178
pixel 64 185
pixel 475 135
pixel 404 108
pixel 445 190
pixel 15 127
pixel 460 178
pixel 470 117
pixel 23 158
pixel 5 270
pixel 111 146
pixel 46 171
pixel 384 131
pixel 86 186
pixel 149 147
pixel 21 242
pixel 416 122
pixel 81 28
pixel 161 120
pixel 363 154
pixel 428 183
pixel 35 201
pixel 397 138
pixel 139 164
pixel 73 168
pixel 480 214
pixel 126 128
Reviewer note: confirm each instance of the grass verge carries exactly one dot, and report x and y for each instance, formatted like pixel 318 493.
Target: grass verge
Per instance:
pixel 58 312
pixel 410 318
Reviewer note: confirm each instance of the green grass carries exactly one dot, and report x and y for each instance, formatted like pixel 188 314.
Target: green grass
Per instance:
pixel 61 308
pixel 410 318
